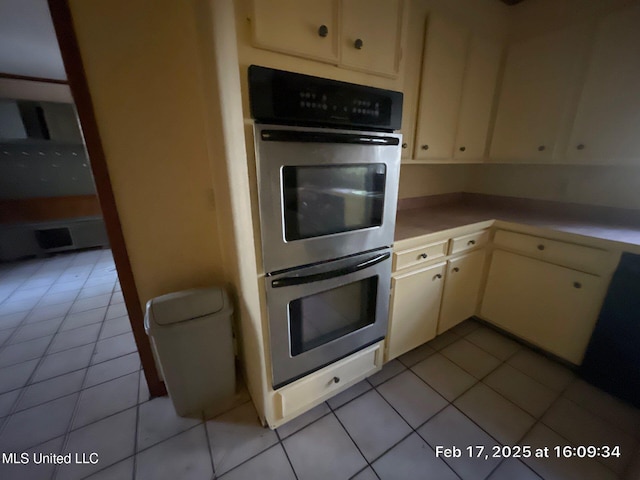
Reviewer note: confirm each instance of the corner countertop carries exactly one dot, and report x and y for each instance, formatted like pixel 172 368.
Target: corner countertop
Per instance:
pixel 425 215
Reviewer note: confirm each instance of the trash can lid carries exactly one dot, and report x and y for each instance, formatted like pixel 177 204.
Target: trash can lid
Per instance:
pixel 180 306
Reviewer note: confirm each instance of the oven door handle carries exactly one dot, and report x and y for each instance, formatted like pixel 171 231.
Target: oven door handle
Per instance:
pixel 316 277
pixel 322 137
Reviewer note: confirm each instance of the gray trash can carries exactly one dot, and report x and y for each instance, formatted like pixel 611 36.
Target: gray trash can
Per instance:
pixel 190 333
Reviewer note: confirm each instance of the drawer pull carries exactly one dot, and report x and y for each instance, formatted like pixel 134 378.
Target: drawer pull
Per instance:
pixel 471 242
pixel 456 269
pixel 540 247
pixel 358 44
pixel 423 255
pixel 437 276
pixel 335 379
pixel 577 285
pixel 323 31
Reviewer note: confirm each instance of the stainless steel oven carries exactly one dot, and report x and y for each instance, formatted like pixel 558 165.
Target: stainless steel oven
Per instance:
pixel 322 313
pixel 324 193
pixel 327 162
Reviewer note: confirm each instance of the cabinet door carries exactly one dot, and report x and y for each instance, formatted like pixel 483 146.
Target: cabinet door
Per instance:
pixel 415 304
pixel 293 27
pixel 461 289
pixel 371 32
pixel 440 88
pixel 550 306
pixel 539 77
pixel 607 123
pixel 483 63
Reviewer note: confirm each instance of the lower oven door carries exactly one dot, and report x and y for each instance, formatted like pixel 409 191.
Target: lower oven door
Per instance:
pixel 322 313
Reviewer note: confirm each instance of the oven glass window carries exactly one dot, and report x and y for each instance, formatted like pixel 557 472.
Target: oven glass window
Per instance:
pixel 322 200
pixel 326 316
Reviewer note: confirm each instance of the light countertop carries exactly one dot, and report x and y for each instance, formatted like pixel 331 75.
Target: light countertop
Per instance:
pixel 417 217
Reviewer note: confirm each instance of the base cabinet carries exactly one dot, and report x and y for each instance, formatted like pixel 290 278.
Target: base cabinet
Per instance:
pixel 461 289
pixel 415 304
pixel 550 306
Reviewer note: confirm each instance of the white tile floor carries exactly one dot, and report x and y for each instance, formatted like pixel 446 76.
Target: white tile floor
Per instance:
pixel 70 381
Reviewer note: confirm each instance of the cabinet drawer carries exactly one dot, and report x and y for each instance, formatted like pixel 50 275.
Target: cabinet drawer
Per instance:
pixel 578 256
pixel 416 256
pixel 467 242
pixel 321 385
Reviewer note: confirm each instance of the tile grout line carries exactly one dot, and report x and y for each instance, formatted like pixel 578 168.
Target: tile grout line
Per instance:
pixel 3 422
pixel 29 312
pixel 74 413
pixel 206 436
pixel 75 370
pixel 413 430
pixel 135 433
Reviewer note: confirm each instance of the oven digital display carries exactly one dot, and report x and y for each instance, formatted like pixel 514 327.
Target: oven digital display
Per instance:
pixel 318 319
pixel 328 199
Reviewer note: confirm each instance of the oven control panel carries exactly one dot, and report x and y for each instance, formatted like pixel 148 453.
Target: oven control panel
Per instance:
pixel 291 98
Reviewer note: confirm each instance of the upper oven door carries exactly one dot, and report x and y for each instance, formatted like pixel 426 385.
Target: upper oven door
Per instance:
pixel 324 193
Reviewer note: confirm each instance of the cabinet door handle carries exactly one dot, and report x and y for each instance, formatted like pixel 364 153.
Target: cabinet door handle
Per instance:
pixel 462 149
pixel 577 285
pixel 456 269
pixel 423 255
pixel 358 44
pixel 542 148
pixel 424 147
pixel 541 247
pixel 405 145
pixel 580 146
pixel 437 276
pixel 471 242
pixel 323 31
pixel 335 379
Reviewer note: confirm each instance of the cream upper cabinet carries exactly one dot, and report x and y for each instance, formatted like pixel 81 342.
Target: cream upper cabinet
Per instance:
pixel 457 88
pixel 537 95
pixel 307 28
pixel 478 89
pixel 415 304
pixel 440 88
pixel 371 32
pixel 357 34
pixel 607 123
pixel 550 306
pixel 461 289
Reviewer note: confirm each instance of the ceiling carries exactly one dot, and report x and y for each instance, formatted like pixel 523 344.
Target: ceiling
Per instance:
pixel 28 44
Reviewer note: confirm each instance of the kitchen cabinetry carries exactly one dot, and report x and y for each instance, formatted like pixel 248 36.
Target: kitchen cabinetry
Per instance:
pixel 347 33
pixel 538 95
pixel 550 306
pixel 415 305
pixel 605 128
pixel 319 386
pixel 307 28
pixel 461 290
pixel 456 92
pixel 417 286
pixel 371 35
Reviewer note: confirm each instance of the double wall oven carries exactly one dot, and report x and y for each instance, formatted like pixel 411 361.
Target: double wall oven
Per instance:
pixel 327 169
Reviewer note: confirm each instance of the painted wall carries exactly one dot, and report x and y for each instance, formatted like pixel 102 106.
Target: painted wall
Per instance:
pixel 144 73
pixel 595 185
pixel 420 180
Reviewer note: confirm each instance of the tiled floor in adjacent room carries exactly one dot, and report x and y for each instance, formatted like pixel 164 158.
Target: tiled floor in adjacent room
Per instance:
pixel 70 381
